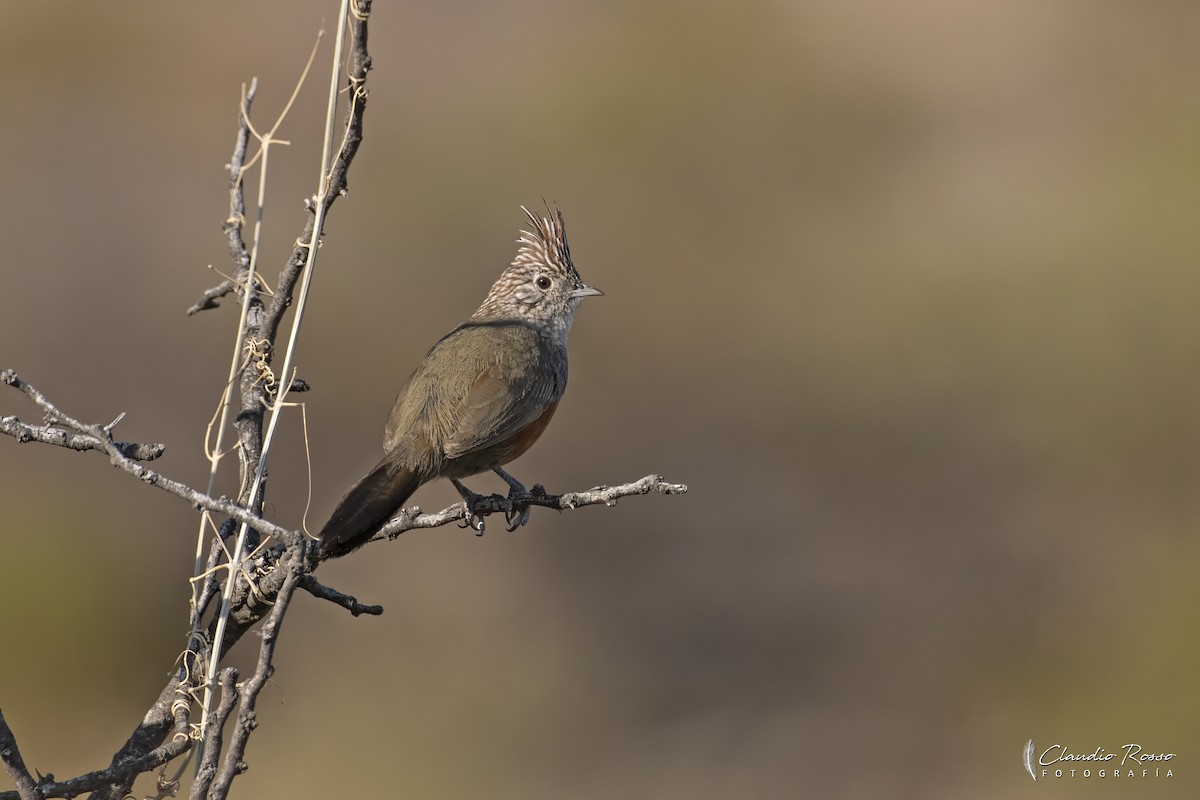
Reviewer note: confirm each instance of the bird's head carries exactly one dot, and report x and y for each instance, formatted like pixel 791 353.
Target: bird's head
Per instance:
pixel 541 286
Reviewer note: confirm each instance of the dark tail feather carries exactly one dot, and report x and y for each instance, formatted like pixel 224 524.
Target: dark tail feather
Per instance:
pixel 369 504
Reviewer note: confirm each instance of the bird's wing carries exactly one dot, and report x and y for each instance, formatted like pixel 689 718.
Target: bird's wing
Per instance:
pixel 498 405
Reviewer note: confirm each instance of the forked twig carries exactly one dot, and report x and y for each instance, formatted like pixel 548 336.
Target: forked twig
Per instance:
pixel 98 439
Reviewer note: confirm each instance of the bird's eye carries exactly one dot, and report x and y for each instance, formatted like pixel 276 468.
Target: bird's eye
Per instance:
pixel 542 282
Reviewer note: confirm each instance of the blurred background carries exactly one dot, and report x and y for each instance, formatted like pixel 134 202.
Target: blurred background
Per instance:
pixel 905 293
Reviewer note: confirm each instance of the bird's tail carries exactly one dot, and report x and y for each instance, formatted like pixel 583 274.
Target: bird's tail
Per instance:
pixel 369 504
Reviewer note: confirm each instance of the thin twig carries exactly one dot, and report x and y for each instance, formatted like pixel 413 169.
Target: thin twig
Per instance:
pixel 317 589
pixel 207 769
pixel 237 210
pixel 76 441
pixel 209 585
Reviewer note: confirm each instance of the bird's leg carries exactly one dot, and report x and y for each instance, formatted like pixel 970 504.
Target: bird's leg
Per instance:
pixel 469 500
pixel 515 487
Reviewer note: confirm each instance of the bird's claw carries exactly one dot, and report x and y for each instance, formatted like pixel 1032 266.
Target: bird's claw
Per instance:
pixel 517 512
pixel 471 517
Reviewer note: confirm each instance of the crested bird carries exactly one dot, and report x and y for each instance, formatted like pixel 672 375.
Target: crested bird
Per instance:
pixel 481 396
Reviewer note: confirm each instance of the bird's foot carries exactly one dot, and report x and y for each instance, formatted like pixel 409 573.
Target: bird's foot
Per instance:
pixel 473 519
pixel 518 511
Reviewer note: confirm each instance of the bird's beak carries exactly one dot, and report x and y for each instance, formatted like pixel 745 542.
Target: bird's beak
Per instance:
pixel 586 291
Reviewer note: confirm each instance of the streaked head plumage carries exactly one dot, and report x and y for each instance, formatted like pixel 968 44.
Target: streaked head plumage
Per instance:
pixel 541 285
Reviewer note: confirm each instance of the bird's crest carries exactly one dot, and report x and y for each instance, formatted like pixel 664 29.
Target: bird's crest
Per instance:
pixel 543 249
pixel 545 242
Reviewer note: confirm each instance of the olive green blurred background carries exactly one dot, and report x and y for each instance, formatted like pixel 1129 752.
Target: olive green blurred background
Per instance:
pixel 906 293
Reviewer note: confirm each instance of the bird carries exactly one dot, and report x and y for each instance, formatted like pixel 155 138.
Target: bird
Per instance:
pixel 481 396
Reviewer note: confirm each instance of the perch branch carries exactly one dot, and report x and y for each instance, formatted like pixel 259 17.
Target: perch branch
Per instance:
pixel 135 760
pixel 412 518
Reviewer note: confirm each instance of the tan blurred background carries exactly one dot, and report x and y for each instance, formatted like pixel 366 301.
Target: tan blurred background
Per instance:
pixel 906 293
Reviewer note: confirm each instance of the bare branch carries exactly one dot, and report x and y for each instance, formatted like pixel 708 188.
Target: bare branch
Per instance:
pixel 209 585
pixel 211 297
pixel 233 763
pixel 412 518
pixel 262 584
pixel 237 211
pixel 124 767
pixel 360 64
pixel 104 443
pixel 251 602
pixel 24 433
pixel 274 594
pixel 14 765
pixel 207 769
pixel 317 589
